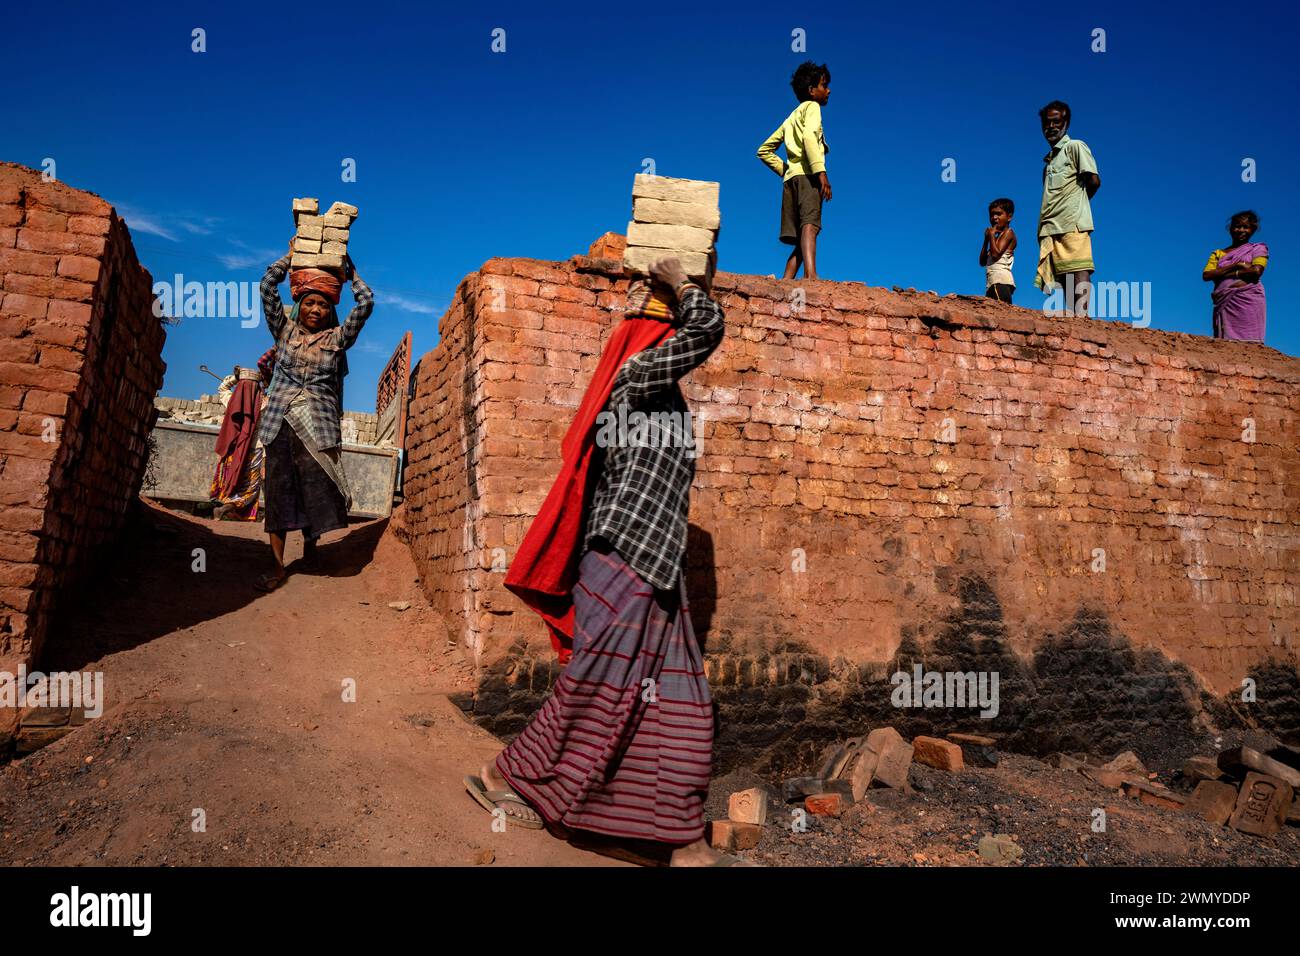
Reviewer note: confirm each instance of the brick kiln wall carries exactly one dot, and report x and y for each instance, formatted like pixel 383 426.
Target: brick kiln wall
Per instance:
pixel 440 484
pixel 824 432
pixel 80 361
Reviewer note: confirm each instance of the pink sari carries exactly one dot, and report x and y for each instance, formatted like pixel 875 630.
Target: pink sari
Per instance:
pixel 1239 308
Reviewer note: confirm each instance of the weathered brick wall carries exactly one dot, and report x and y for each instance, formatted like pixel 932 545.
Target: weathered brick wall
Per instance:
pixel 825 448
pixel 80 362
pixel 441 495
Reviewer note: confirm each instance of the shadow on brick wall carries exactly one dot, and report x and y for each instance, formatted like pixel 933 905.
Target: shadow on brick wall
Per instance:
pixel 1086 688
pixel 1271 706
pixel 701 582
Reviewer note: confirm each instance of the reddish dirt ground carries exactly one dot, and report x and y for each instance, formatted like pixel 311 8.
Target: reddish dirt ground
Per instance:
pixel 227 700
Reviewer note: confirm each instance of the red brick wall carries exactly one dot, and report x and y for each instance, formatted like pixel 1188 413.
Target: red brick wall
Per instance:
pixel 823 433
pixel 80 362
pixel 443 453
pixel 488 414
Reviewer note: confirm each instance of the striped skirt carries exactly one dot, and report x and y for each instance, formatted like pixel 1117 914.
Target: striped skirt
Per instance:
pixel 624 744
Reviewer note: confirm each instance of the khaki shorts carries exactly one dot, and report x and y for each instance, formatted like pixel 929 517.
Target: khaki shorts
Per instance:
pixel 801 205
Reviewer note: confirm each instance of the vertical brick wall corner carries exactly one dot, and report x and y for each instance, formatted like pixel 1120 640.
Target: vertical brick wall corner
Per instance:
pixel 888 478
pixel 440 485
pixel 80 363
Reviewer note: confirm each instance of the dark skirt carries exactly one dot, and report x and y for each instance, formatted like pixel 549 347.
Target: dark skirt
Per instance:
pixel 608 752
pixel 300 496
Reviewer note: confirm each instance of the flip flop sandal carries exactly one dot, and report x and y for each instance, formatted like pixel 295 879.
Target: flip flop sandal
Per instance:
pixel 264 583
pixel 490 800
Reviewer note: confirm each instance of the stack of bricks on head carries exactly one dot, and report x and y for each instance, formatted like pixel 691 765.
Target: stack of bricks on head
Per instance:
pixel 321 241
pixel 672 217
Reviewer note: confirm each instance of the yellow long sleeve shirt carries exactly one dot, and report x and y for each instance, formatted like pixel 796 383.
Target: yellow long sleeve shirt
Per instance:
pixel 804 141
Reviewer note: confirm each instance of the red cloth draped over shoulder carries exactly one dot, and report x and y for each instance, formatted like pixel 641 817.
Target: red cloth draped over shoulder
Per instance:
pixel 545 570
pixel 239 432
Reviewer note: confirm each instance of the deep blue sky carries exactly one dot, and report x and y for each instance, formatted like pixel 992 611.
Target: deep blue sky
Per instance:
pixel 463 154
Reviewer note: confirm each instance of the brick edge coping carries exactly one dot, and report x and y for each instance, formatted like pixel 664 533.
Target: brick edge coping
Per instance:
pixel 953 310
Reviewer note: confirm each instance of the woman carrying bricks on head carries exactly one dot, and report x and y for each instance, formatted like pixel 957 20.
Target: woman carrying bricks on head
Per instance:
pixel 1237 273
pixel 623 746
pixel 306 489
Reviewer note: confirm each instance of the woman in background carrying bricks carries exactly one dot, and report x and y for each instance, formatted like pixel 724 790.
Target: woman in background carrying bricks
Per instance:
pixel 306 489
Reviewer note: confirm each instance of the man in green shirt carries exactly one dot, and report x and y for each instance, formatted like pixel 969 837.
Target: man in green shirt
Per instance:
pixel 1070 181
pixel 804 171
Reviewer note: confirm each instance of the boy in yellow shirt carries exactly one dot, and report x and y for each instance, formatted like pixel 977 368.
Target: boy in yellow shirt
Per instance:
pixel 804 171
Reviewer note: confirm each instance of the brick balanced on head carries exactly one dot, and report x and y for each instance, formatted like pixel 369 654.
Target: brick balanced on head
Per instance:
pixel 672 217
pixel 321 242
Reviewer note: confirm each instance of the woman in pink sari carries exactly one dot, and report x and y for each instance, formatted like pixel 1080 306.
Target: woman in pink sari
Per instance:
pixel 1238 294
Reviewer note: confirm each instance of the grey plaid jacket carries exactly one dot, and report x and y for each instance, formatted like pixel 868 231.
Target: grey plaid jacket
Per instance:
pixel 641 499
pixel 311 364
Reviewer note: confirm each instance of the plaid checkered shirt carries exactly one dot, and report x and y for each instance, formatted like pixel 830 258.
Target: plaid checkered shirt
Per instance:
pixel 309 366
pixel 641 499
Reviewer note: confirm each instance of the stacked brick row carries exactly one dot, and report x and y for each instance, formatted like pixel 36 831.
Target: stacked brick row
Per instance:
pixel 321 242
pixel 672 217
pixel 80 362
pixel 868 454
pixel 209 410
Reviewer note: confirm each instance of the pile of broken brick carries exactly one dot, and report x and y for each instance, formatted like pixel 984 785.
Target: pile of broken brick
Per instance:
pixel 882 758
pixel 1243 788
pixel 1246 789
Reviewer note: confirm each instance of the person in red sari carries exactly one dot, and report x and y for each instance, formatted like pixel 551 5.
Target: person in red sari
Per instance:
pixel 623 745
pixel 237 483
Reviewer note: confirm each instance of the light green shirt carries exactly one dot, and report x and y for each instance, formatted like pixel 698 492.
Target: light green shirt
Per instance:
pixel 1065 201
pixel 805 143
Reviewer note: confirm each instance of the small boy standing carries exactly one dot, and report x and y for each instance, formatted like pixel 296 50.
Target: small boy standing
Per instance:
pixel 804 172
pixel 997 254
pixel 1070 181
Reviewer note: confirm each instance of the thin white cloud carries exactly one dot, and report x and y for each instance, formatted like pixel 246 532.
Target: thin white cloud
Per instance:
pixel 246 260
pixel 246 257
pixel 139 221
pixel 405 304
pixel 165 225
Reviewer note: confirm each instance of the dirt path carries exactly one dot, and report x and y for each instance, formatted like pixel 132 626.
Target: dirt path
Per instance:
pixel 228 701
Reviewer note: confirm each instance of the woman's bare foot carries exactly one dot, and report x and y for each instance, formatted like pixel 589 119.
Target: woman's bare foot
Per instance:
pixel 700 853
pixel 492 780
